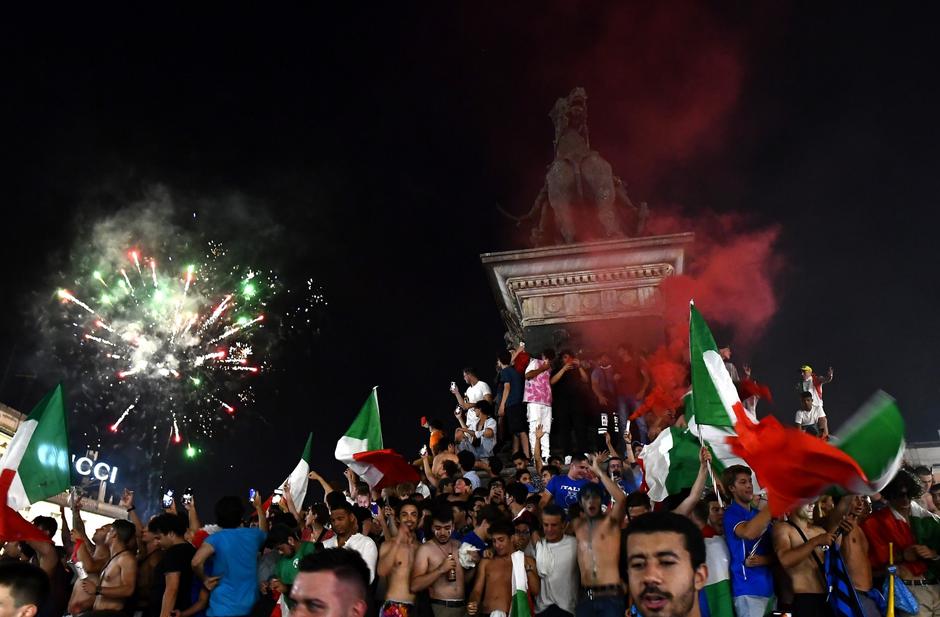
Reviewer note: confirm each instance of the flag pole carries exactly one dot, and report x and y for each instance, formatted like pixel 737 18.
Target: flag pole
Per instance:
pixel 711 473
pixel 701 440
pixel 891 570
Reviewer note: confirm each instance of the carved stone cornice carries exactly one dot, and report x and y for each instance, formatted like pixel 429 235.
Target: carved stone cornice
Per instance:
pixel 583 282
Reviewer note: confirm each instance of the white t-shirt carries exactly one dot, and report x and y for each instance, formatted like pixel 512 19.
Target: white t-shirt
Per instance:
pixel 811 417
pixel 364 545
pixel 475 394
pixel 557 565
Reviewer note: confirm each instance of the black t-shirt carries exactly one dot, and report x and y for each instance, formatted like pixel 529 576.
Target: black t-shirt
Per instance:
pixel 178 558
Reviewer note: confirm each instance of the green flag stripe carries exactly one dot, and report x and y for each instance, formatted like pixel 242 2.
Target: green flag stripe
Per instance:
pixel 44 469
pixel 367 425
pixel 707 405
pixel 874 437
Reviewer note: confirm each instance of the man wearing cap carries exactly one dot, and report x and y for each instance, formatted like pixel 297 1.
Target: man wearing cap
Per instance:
pixel 813 383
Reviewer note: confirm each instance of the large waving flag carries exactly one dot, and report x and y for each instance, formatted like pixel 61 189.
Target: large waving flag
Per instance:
pixel 794 466
pixel 708 403
pixel 874 437
pixel 35 466
pixel 362 450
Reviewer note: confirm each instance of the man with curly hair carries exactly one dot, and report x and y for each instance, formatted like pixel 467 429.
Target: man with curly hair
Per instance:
pixel 916 541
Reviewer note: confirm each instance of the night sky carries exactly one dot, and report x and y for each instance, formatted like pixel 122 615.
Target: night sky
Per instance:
pixel 378 143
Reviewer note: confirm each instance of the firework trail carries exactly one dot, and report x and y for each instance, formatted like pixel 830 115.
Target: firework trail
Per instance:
pixel 179 349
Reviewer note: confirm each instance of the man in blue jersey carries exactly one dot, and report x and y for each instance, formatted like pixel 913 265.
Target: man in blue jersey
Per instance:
pixel 749 544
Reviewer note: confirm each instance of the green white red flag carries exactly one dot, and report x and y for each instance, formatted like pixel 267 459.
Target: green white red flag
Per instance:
pixel 35 465
pixel 361 449
pixel 297 480
pixel 794 466
pixel 671 463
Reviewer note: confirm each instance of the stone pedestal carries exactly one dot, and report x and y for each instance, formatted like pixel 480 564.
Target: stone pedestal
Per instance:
pixel 591 295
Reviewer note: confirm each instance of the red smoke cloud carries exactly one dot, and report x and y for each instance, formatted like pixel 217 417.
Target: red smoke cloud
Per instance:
pixel 730 277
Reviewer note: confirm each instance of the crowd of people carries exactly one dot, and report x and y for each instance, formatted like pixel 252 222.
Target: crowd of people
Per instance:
pixel 535 484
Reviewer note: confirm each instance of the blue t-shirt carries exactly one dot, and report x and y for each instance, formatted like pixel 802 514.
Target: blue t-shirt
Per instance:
pixel 473 539
pixel 236 562
pixel 514 379
pixel 565 491
pixel 747 581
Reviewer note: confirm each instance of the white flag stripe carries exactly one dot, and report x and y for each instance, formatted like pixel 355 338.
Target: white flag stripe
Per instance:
pixel 347 446
pixel 655 458
pixel 519 581
pixel 717 560
pixel 17 447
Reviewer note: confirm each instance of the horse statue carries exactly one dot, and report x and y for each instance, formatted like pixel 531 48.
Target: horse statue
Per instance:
pixel 579 179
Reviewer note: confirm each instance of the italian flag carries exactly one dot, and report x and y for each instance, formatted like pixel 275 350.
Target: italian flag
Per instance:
pixel 671 463
pixel 521 603
pixel 298 478
pixel 712 396
pixel 874 437
pixel 717 591
pixel 35 466
pixel 794 466
pixel 362 450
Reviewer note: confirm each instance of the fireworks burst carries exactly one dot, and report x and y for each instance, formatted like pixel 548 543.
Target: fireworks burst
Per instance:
pixel 170 346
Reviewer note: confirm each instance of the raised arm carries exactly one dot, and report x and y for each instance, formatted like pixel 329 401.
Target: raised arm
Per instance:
pixel 619 511
pixel 429 474
pixel 695 493
pixel 259 510
pixel 194 523
pixel 291 506
pixel 327 489
pixel 752 529
pixel 127 502
pixel 66 533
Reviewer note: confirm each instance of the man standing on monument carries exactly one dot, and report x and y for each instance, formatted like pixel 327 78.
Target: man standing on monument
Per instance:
pixel 568 403
pixel 813 383
pixel 810 418
pixel 538 398
pixel 511 406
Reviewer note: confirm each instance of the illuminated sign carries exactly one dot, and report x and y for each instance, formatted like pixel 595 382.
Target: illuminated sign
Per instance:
pixel 99 470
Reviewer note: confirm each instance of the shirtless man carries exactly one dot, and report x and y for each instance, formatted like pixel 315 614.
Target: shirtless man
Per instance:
pixel 436 568
pixel 494 582
pixel 119 576
pixel 796 542
pixel 598 536
pixel 855 552
pixel 93 556
pixel 396 558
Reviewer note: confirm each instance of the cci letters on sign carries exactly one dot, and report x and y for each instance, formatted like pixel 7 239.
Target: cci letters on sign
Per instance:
pixel 84 466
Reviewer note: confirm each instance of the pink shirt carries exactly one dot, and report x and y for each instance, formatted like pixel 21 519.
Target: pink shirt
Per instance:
pixel 538 390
